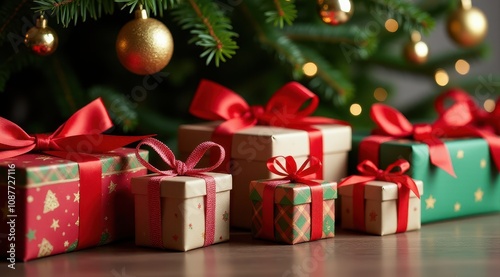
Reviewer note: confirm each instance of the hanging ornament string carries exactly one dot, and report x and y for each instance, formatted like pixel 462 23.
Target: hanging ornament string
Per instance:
pixel 41 39
pixel 467 26
pixel 144 45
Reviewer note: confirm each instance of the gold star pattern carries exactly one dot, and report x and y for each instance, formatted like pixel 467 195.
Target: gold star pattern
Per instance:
pixel 66 243
pixel 77 197
pixel 483 163
pixel 111 187
pixel 31 235
pixel 55 224
pixel 429 202
pixel 457 207
pixel 478 195
pixel 460 154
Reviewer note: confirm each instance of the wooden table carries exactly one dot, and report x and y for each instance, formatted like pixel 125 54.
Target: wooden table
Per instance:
pixel 464 247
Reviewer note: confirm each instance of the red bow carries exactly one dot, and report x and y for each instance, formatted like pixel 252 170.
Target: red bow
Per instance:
pixel 73 140
pixel 489 121
pixel 291 107
pixel 452 123
pixel 480 123
pixel 81 133
pixel 292 174
pixel 394 174
pixel 179 168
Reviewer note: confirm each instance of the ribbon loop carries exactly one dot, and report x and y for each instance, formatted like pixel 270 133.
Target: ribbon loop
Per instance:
pixel 290 171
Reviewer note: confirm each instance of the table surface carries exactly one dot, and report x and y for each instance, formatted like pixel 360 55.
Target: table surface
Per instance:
pixel 462 247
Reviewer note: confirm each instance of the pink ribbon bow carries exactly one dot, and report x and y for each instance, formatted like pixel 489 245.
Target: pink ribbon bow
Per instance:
pixel 179 168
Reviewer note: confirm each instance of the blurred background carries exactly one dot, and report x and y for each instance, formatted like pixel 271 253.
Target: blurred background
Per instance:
pixel 349 64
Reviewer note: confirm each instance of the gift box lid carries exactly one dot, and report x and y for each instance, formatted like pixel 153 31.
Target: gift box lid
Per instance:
pixel 182 186
pixel 380 191
pixel 261 142
pixel 40 169
pixel 292 193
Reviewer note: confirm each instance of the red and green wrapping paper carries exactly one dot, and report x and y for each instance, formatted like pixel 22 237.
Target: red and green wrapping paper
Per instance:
pixel 48 202
pixel 293 209
pixel 69 185
pixel 460 177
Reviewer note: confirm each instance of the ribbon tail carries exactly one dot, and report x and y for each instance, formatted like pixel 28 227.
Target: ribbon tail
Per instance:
pixel 440 156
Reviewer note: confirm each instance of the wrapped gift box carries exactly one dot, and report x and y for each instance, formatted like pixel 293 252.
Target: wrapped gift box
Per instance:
pixel 47 202
pixel 475 190
pixel 292 211
pixel 381 209
pixel 182 211
pixel 251 147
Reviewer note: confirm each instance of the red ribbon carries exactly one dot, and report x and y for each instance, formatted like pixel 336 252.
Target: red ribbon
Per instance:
pixel 290 107
pixel 291 174
pixel 394 174
pixel 480 122
pixel 179 168
pixel 393 125
pixel 79 136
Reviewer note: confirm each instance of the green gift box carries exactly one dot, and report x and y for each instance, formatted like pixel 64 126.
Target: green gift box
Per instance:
pixel 475 190
pixel 292 211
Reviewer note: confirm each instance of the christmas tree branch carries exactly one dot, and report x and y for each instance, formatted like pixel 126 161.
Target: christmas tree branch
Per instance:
pixel 347 34
pixel 279 12
pixel 67 11
pixel 409 16
pixel 210 28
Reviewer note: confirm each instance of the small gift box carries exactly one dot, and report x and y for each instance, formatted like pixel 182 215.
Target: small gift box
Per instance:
pixel 381 202
pixel 458 152
pixel 295 208
pixel 253 134
pixel 61 191
pixel 182 208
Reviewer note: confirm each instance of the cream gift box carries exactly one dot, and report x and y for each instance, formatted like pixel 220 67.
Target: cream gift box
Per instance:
pixel 182 210
pixel 251 147
pixel 381 208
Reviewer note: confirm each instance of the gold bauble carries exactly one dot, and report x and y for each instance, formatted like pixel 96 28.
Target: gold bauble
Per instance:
pixel 41 39
pixel 468 25
pixel 144 45
pixel 335 12
pixel 416 51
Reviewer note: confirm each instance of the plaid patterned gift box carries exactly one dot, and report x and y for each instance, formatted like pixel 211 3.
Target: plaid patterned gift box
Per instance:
pixel 292 211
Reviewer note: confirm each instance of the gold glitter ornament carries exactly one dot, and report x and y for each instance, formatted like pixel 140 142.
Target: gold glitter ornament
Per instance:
pixel 144 45
pixel 335 12
pixel 468 25
pixel 416 51
pixel 41 39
